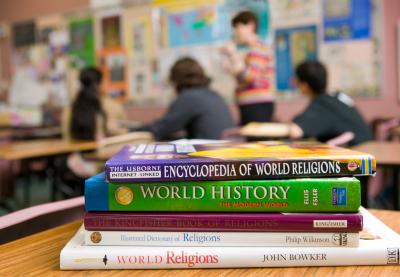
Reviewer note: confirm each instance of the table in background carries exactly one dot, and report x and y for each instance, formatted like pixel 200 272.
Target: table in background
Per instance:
pixel 265 131
pixel 38 255
pixel 41 148
pixel 387 155
pixel 48 148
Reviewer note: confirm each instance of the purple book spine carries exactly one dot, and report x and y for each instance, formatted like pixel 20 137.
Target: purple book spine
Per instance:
pixel 222 222
pixel 200 170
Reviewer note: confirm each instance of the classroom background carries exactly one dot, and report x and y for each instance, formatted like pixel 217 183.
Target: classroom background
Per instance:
pixel 136 42
pixel 45 44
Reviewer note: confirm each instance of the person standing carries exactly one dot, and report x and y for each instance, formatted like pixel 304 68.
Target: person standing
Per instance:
pixel 253 72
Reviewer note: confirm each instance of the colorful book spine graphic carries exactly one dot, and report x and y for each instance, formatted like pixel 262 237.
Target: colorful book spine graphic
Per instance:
pixel 223 222
pixel 236 239
pixel 297 195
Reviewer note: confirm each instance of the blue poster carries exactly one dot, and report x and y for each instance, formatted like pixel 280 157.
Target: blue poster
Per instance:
pixel 293 46
pixel 347 19
pixel 212 23
pixel 195 26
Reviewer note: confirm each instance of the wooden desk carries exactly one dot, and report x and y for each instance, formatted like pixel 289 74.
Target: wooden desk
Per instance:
pixel 27 150
pixel 38 255
pixel 387 155
pixel 48 147
pixel 258 130
pixel 42 148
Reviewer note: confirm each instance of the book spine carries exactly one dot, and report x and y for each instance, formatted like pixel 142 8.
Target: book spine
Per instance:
pixel 102 257
pixel 237 239
pixel 266 222
pixel 239 170
pixel 296 195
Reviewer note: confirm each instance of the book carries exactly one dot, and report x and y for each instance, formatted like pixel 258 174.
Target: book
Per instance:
pixel 288 195
pixel 205 239
pixel 223 222
pixel 379 245
pixel 233 161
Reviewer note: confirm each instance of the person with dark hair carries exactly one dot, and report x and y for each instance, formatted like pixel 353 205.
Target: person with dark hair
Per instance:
pixel 253 73
pixel 198 110
pixel 327 116
pixel 88 119
pixel 92 115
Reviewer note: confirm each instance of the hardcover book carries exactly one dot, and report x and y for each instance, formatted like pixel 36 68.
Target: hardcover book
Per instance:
pixel 237 239
pixel 291 195
pixel 223 222
pixel 379 245
pixel 230 161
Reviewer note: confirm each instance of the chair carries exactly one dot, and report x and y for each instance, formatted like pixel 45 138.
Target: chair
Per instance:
pixel 384 130
pixel 39 218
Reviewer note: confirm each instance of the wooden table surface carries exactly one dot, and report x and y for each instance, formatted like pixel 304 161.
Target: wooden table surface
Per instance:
pixel 47 147
pixel 38 255
pixel 41 148
pixel 265 130
pixel 386 153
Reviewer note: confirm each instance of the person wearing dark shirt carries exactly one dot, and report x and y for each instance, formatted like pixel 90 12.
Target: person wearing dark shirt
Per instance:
pixel 327 116
pixel 198 110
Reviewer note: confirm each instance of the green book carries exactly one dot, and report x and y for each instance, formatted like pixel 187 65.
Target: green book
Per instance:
pixel 290 195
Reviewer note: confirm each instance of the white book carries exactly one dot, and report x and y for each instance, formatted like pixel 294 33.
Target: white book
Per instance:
pixel 214 239
pixel 379 245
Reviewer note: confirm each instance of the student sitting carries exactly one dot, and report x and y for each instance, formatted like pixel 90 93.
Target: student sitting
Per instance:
pixel 327 116
pixel 198 110
pixel 92 116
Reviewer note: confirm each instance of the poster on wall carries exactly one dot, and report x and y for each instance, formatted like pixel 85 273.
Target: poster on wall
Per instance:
pixel 194 26
pixel 347 19
pixel 113 64
pixel 140 78
pixel 111 31
pixel 295 12
pixel 82 48
pixel 140 44
pixel 24 33
pixel 200 23
pixel 348 63
pixel 292 46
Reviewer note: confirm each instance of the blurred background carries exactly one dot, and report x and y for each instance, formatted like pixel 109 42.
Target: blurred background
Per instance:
pixel 45 44
pixel 135 42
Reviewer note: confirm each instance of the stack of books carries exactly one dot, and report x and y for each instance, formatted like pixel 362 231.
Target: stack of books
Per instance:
pixel 260 204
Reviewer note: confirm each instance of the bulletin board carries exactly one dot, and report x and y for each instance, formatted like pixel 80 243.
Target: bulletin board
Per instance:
pixel 138 44
pixel 343 34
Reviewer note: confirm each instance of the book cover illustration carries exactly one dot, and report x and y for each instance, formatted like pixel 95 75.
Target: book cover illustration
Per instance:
pixel 287 195
pixel 229 161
